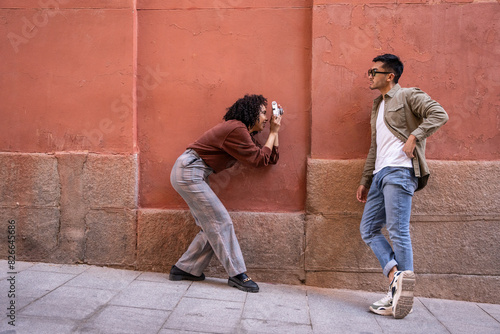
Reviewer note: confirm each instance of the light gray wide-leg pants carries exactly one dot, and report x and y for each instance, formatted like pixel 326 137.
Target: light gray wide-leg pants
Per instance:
pixel 189 177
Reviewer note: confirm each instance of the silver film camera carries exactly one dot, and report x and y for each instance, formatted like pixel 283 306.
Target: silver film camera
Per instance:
pixel 277 110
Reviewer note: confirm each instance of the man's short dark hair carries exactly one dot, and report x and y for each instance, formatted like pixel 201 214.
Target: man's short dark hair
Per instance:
pixel 246 109
pixel 391 63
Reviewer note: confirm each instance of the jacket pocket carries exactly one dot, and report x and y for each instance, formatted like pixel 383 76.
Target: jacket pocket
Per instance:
pixel 396 116
pixel 396 108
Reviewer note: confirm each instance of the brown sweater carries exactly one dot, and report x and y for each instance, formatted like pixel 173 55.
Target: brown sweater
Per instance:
pixel 228 142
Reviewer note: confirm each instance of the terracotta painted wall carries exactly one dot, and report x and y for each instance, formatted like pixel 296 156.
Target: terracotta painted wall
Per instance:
pixel 72 67
pixel 210 55
pixel 65 67
pixel 450 50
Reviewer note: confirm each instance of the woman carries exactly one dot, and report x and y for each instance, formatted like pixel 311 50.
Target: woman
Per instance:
pixel 219 148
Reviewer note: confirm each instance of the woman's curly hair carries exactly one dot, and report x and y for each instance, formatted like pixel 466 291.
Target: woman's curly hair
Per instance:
pixel 246 109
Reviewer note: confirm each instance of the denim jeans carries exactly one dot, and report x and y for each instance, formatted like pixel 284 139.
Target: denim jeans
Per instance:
pixel 389 204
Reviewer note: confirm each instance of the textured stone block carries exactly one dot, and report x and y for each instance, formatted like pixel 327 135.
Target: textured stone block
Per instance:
pixel 455 187
pixel 270 242
pixel 354 280
pixel 110 181
pixel 474 288
pixel 332 185
pixel 456 245
pixel 29 180
pixel 73 208
pixel 162 237
pixel 111 237
pixel 334 243
pixel 460 188
pixel 90 201
pixel 279 276
pixel 36 231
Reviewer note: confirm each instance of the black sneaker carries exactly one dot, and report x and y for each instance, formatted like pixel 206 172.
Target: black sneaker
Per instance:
pixel 243 282
pixel 177 274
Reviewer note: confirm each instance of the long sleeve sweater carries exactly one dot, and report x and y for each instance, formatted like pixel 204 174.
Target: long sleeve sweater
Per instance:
pixel 228 142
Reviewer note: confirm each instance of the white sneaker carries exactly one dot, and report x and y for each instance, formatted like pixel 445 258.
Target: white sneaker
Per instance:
pixel 383 306
pixel 402 287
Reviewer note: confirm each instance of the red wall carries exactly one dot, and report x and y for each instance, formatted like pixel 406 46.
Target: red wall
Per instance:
pixel 62 71
pixel 210 57
pixel 450 51
pixel 103 77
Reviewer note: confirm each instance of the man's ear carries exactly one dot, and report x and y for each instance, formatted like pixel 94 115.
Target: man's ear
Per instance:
pixel 391 76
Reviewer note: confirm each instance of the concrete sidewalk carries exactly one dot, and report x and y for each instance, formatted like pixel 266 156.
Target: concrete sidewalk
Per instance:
pixel 57 299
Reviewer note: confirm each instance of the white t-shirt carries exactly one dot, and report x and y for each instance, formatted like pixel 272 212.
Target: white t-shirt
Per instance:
pixel 389 148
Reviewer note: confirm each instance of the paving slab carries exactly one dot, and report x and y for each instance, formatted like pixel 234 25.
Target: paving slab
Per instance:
pixel 155 277
pixel 339 311
pixel 273 327
pixel 460 317
pixel 180 331
pixel 419 321
pixel 30 282
pixel 74 269
pixel 195 314
pixel 151 295
pixel 125 320
pixel 104 278
pixel 492 309
pixel 55 298
pixel 18 267
pixel 215 289
pixel 30 285
pixel 38 325
pixel 69 302
pixel 286 304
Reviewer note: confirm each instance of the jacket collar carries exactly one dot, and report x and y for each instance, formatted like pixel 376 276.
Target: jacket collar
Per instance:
pixel 390 93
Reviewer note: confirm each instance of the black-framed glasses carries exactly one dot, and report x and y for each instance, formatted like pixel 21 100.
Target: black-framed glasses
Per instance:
pixel 373 71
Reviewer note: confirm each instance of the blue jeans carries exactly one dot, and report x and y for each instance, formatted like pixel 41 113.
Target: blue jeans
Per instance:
pixel 389 204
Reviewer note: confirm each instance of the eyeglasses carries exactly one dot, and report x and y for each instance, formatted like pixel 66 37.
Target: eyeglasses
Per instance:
pixel 373 71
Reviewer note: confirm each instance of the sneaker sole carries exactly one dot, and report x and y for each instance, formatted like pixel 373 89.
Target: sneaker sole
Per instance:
pixel 403 300
pixel 242 288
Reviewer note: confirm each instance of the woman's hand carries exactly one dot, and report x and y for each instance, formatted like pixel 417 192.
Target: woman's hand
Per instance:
pixel 275 124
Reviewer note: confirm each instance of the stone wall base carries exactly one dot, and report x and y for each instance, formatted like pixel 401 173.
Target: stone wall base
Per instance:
pixel 455 229
pixel 82 208
pixel 73 207
pixel 272 243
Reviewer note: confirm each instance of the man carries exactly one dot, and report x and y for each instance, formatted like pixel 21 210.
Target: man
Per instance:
pixel 401 120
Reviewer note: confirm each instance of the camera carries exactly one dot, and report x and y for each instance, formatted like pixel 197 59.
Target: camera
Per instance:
pixel 277 110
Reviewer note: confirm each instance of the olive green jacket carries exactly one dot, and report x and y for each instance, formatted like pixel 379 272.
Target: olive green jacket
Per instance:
pixel 407 111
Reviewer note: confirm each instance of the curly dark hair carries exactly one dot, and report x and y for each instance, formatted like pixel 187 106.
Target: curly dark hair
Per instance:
pixel 246 109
